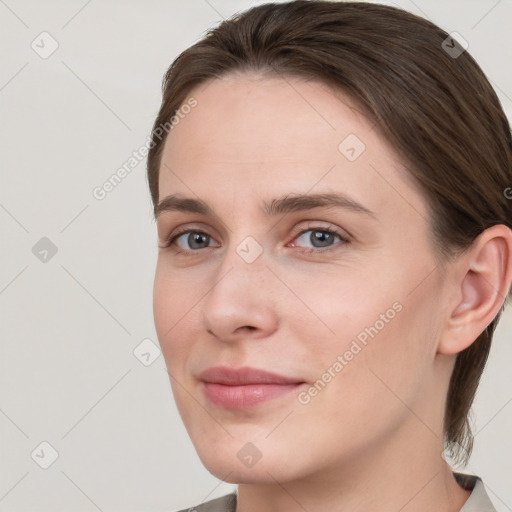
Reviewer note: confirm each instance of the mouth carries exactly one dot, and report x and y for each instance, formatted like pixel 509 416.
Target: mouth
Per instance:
pixel 245 387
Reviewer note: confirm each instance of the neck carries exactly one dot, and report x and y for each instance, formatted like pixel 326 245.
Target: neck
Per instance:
pixel 405 476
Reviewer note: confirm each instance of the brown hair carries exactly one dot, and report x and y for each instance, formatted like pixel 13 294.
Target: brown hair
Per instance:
pixel 431 102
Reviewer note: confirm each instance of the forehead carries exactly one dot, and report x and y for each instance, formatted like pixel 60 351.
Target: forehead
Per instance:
pixel 251 133
pixel 247 111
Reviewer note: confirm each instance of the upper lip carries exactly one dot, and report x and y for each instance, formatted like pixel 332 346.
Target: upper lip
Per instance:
pixel 243 376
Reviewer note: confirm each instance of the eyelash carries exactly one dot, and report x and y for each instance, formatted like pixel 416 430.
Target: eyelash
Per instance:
pixel 171 241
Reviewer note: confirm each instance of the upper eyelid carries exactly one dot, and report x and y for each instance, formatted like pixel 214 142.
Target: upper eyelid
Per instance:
pixel 311 224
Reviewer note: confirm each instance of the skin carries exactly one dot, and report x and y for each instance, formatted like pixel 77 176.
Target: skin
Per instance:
pixel 371 439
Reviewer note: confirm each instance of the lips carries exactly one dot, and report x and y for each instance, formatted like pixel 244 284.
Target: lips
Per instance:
pixel 243 376
pixel 232 388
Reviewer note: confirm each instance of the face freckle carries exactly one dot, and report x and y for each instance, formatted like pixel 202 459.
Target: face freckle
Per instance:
pixel 339 321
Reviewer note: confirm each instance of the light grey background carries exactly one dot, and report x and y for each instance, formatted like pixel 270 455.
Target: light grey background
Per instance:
pixel 70 325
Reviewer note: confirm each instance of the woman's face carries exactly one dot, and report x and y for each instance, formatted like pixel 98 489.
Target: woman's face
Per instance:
pixel 339 293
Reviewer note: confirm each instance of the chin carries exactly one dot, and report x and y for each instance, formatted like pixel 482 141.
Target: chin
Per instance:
pixel 231 462
pixel 234 473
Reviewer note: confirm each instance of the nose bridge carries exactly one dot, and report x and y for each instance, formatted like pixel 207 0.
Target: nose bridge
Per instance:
pixel 239 296
pixel 243 266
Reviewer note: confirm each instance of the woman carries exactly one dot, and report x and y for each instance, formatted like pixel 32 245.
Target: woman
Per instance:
pixel 329 183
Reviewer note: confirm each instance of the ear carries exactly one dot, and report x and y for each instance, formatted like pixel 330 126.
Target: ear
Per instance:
pixel 482 276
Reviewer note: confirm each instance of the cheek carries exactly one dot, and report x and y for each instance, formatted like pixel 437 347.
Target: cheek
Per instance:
pixel 175 318
pixel 174 311
pixel 337 303
pixel 390 371
pixel 368 331
pixel 374 382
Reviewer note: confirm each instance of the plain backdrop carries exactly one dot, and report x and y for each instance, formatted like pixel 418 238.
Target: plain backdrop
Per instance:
pixel 76 277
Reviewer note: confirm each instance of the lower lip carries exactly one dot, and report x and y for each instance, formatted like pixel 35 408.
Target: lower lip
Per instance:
pixel 239 397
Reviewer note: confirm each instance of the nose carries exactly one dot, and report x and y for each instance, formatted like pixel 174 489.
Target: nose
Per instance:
pixel 240 303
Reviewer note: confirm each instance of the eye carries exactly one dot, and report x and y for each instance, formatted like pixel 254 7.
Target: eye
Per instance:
pixel 322 239
pixel 319 238
pixel 192 240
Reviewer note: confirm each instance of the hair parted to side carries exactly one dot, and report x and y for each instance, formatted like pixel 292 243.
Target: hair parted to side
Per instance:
pixel 439 113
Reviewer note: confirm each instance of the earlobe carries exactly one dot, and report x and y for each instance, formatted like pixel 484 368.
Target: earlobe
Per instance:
pixel 484 277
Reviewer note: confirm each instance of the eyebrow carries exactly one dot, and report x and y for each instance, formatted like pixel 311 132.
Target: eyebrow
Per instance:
pixel 285 204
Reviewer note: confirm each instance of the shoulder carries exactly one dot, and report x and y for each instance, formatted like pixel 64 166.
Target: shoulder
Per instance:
pixel 479 500
pixel 223 504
